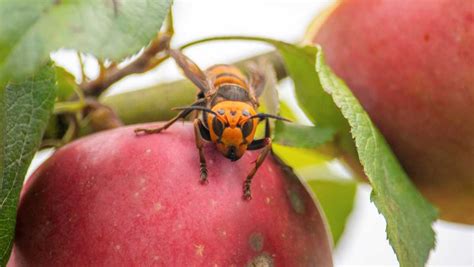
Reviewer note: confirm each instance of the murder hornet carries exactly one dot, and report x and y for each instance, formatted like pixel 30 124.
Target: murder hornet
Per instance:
pixel 227 103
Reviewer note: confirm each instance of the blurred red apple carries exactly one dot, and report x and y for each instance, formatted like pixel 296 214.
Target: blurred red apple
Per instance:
pixel 411 65
pixel 117 199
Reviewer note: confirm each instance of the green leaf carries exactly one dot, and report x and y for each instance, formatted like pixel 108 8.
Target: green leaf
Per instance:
pixel 31 29
pixel 66 83
pixel 337 200
pixel 290 134
pixel 25 107
pixel 316 104
pixel 408 215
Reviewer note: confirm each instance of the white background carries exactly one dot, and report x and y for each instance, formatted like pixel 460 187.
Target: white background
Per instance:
pixel 364 241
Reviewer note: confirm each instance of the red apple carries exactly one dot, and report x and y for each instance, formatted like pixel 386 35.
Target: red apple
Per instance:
pixel 117 199
pixel 411 65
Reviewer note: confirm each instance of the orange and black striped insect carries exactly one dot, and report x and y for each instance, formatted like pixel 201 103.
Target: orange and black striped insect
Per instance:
pixel 227 101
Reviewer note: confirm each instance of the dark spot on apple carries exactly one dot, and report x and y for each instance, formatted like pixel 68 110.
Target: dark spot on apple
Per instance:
pixel 295 200
pixel 256 241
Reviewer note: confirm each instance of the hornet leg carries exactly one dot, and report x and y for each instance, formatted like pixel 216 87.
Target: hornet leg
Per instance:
pixel 198 128
pixel 266 144
pixel 181 115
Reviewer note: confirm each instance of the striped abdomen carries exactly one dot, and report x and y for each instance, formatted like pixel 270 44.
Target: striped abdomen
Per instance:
pixel 230 84
pixel 226 74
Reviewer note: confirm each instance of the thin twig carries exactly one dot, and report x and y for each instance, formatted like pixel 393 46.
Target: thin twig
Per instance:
pixel 81 65
pixel 102 69
pixel 169 23
pixel 138 65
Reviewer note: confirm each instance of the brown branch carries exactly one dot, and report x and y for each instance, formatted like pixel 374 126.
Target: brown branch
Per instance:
pixel 141 64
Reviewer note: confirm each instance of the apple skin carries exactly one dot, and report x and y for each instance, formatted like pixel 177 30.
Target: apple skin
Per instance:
pixel 117 199
pixel 411 65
